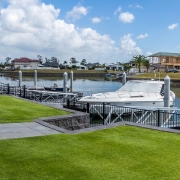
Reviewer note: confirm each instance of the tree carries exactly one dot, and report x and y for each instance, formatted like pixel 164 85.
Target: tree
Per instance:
pixel 40 59
pixel 83 62
pixel 146 64
pixel 119 63
pixel 127 67
pixel 73 60
pixel 47 60
pixel 55 60
pixel 139 60
pixel 7 61
pixel 65 62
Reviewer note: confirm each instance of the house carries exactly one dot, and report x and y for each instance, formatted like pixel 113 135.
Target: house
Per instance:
pixel 132 63
pixel 81 67
pixel 24 63
pixel 77 66
pixel 92 65
pixel 115 67
pixel 165 59
pixel 51 64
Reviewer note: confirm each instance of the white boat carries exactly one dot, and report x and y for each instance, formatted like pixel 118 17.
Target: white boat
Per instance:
pixel 134 93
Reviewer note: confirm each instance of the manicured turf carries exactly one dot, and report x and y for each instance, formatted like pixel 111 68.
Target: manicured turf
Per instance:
pixel 17 110
pixel 123 153
pixel 157 75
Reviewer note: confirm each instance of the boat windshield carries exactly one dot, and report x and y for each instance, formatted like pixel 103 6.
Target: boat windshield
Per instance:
pixel 137 86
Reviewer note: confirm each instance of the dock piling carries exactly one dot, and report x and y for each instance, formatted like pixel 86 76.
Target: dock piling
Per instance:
pixel 65 82
pixel 166 91
pixel 20 78
pixel 71 81
pixel 35 79
pixel 124 78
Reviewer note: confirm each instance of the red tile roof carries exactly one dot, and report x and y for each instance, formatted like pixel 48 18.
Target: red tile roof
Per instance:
pixel 24 59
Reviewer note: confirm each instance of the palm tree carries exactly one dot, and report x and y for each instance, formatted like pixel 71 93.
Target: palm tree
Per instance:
pixel 146 64
pixel 127 67
pixel 139 60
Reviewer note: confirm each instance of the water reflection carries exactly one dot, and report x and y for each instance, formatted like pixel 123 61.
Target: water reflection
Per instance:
pixel 87 85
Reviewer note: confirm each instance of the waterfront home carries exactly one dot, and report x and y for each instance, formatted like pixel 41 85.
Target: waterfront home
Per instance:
pixel 166 60
pixel 92 65
pixel 24 63
pixel 51 64
pixel 77 66
pixel 115 67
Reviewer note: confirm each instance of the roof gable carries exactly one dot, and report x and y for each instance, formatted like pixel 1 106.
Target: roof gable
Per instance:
pixel 24 59
pixel 160 54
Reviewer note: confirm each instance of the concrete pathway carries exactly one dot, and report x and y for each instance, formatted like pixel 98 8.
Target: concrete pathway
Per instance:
pixel 22 130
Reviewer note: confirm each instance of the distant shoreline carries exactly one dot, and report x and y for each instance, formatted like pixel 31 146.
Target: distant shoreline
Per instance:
pixel 174 82
pixel 55 74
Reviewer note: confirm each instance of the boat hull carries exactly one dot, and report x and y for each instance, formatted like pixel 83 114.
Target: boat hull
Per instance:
pixel 55 89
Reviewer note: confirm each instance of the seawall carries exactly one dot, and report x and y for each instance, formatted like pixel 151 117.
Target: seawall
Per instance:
pixel 58 74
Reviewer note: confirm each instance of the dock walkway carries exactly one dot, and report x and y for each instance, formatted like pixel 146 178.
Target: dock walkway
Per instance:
pixel 23 130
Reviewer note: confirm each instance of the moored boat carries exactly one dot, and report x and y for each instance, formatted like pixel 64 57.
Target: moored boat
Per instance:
pixel 133 93
pixel 55 87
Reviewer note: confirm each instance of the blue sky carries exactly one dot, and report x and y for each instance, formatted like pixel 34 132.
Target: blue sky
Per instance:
pixel 96 30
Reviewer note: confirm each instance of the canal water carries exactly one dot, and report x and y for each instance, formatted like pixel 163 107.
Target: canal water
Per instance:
pixel 87 85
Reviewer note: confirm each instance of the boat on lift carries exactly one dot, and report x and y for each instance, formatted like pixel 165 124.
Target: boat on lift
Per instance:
pixel 55 87
pixel 148 93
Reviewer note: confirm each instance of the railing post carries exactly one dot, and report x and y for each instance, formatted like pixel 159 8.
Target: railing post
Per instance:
pixel 74 105
pixel 68 103
pixel 8 89
pixel 159 120
pixel 87 107
pixel 20 91
pixel 24 91
pixel 103 112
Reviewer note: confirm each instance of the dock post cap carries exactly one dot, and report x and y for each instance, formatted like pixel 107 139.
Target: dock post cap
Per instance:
pixel 65 72
pixel 167 77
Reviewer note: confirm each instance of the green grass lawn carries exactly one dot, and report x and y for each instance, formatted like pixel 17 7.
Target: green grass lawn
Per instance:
pixel 162 75
pixel 17 110
pixel 124 153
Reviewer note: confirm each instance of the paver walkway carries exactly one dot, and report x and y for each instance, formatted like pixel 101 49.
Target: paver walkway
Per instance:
pixel 22 130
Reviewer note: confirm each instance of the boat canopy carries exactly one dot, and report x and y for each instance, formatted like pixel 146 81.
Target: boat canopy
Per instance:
pixel 142 86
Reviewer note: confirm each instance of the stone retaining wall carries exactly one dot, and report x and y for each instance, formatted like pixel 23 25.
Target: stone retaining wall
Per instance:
pixel 71 123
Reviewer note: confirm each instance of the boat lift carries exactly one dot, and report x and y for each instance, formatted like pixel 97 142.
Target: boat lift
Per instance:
pixel 44 96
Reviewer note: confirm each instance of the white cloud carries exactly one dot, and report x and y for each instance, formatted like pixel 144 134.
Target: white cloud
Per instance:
pixel 128 46
pixel 172 26
pixel 34 28
pixel 77 12
pixel 148 53
pixel 126 17
pixel 117 10
pixel 30 28
pixel 135 6
pixel 96 20
pixel 141 36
